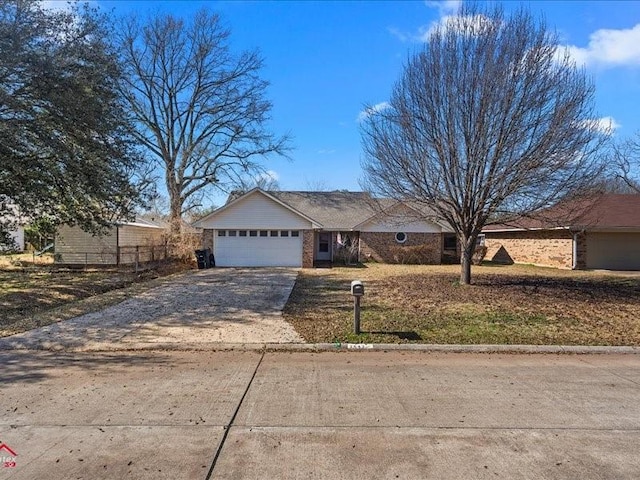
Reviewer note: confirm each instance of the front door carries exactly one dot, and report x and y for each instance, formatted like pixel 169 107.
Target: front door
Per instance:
pixel 323 246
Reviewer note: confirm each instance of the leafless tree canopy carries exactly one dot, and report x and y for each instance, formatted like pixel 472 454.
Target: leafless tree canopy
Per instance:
pixel 626 161
pixel 488 120
pixel 200 110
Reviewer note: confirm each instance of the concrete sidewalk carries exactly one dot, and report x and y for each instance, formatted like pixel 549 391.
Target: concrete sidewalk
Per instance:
pixel 251 415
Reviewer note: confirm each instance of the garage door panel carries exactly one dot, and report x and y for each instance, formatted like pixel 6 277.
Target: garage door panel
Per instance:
pixel 258 251
pixel 613 251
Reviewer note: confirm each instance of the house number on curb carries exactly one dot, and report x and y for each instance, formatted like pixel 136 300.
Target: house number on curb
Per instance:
pixel 359 346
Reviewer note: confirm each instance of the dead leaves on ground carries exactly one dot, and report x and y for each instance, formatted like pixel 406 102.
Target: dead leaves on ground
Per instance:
pixel 505 305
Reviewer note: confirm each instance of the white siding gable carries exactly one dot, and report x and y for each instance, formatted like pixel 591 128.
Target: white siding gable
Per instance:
pixel 257 212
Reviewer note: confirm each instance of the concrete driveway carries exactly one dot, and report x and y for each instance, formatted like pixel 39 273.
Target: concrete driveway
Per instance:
pixel 348 415
pixel 231 305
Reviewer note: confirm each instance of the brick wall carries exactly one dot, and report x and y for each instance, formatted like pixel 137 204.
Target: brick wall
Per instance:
pixel 207 238
pixel 307 248
pixel 380 246
pixel 551 248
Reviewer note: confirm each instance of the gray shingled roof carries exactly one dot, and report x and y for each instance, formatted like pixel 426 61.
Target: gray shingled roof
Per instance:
pixel 333 210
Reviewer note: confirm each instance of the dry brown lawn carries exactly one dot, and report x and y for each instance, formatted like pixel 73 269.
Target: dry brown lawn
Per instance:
pixel 33 296
pixel 505 305
pixel 14 261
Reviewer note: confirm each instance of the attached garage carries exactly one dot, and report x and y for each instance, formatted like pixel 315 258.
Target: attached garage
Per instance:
pixel 258 230
pixel 613 250
pixel 258 248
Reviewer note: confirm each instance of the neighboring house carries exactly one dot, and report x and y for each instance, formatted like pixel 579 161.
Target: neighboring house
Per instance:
pixel 11 215
pixel 17 236
pixel 605 235
pixel 303 229
pixel 125 243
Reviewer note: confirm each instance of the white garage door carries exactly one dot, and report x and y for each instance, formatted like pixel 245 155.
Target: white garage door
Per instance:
pixel 613 251
pixel 258 248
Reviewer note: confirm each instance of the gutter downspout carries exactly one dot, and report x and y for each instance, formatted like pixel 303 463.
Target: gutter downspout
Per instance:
pixel 574 261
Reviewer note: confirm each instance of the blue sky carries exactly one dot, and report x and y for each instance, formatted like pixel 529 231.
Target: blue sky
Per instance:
pixel 327 60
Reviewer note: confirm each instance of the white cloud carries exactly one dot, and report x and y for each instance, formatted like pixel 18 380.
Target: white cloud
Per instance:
pixel 65 5
pixel 56 5
pixel 448 17
pixel 609 48
pixel 606 125
pixel 445 7
pixel 378 107
pixel 269 175
pixel 399 34
pixel 470 24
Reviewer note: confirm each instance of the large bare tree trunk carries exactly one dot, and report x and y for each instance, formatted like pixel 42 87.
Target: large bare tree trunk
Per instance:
pixel 465 263
pixel 175 208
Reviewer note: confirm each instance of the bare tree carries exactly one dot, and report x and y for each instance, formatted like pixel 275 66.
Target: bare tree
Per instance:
pixel 487 121
pixel 265 181
pixel 626 160
pixel 316 185
pixel 200 110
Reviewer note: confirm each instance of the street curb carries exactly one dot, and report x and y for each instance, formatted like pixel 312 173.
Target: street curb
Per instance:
pixel 336 347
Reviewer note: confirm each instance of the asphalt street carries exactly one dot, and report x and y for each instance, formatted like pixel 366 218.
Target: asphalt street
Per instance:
pixel 286 415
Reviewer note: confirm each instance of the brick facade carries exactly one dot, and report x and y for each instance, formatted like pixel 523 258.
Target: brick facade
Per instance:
pixel 382 246
pixel 550 248
pixel 308 247
pixel 207 238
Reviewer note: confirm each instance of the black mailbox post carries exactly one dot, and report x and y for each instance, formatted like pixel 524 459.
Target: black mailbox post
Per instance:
pixel 357 290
